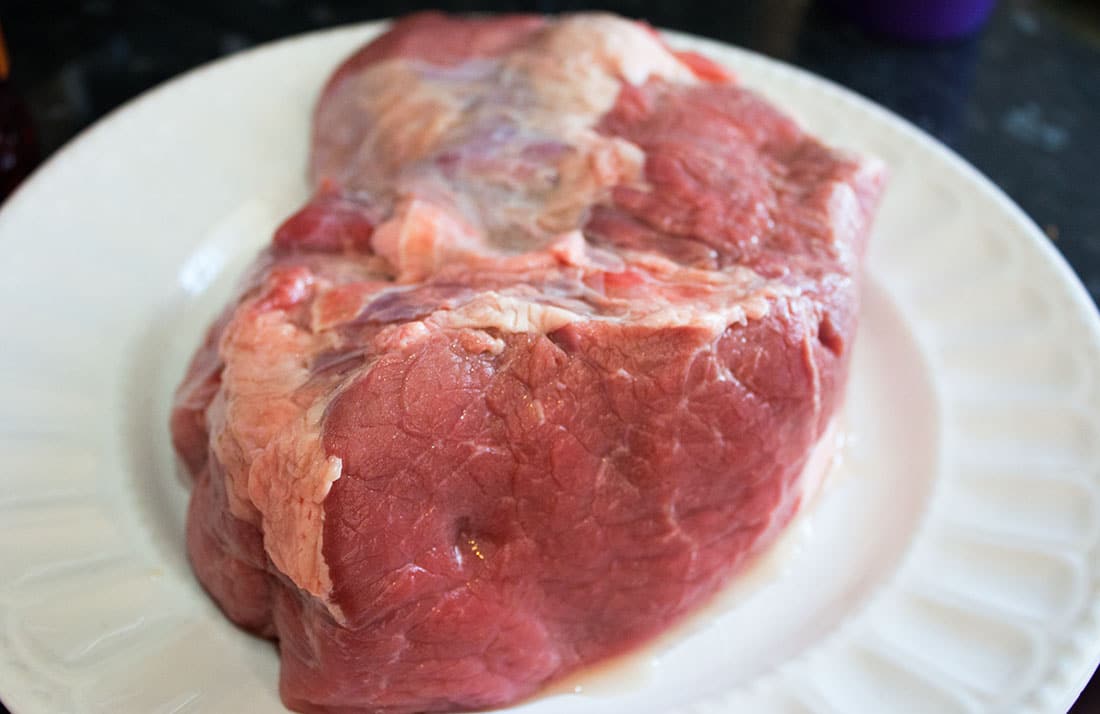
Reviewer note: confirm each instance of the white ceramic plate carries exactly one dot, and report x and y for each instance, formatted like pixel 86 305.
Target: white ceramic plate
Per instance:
pixel 953 564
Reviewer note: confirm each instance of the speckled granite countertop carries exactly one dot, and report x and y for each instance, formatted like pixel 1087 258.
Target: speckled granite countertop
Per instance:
pixel 1020 100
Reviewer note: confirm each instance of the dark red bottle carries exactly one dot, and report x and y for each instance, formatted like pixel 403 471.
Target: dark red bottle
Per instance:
pixel 18 146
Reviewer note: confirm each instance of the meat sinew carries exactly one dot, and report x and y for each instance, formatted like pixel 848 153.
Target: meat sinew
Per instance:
pixel 535 372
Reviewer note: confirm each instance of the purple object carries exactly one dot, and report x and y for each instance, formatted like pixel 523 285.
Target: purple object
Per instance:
pixel 920 20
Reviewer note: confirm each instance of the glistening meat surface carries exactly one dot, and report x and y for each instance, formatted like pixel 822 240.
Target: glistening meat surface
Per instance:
pixel 533 374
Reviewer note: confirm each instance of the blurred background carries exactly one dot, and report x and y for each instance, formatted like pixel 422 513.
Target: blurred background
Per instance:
pixel 1013 86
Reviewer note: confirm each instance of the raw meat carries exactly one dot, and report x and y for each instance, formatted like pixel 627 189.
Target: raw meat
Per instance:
pixel 535 372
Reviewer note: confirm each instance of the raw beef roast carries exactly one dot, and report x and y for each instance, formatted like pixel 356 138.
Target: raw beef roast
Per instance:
pixel 535 372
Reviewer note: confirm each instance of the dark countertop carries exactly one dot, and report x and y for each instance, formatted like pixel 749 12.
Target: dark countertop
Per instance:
pixel 1020 100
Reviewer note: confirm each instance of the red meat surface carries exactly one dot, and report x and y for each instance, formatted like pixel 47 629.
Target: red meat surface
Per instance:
pixel 533 375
